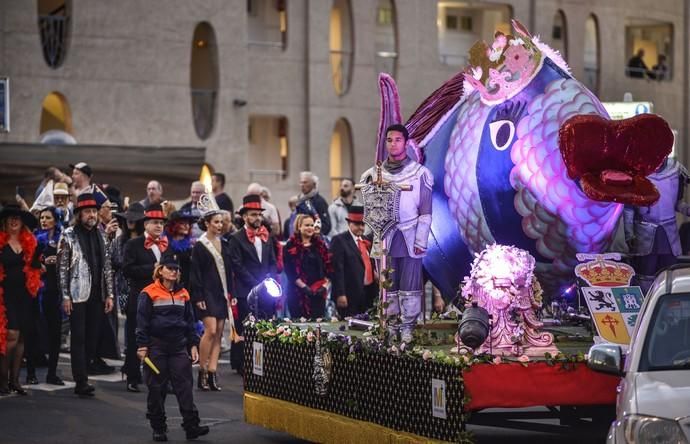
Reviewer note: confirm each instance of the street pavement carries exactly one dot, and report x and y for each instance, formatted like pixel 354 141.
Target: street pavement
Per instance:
pixel 51 414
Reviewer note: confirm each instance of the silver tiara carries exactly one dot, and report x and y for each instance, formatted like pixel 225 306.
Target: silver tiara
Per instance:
pixel 207 205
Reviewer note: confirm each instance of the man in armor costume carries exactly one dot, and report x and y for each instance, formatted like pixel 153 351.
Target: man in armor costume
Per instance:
pixel 407 242
pixel 651 232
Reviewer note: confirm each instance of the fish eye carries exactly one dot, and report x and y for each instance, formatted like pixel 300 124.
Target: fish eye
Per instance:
pixel 502 132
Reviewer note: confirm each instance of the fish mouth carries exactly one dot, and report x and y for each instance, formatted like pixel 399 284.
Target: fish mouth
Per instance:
pixel 612 158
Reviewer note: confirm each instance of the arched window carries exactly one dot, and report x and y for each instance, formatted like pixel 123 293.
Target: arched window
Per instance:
pixel 341 42
pixel 342 157
pixel 386 39
pixel 204 79
pixel 591 54
pixel 559 34
pixel 461 24
pixel 55 114
pixel 53 27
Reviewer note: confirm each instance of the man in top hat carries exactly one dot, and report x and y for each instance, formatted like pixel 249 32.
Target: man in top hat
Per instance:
pixel 141 255
pixel 86 284
pixel 81 177
pixel 354 280
pixel 253 260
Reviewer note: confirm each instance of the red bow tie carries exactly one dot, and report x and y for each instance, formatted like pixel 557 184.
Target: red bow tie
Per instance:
pixel 261 232
pixel 161 242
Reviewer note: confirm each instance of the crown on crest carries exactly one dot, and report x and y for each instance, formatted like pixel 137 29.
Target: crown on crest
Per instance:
pixel 503 69
pixel 605 273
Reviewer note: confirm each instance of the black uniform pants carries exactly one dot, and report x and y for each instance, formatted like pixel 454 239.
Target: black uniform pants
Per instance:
pixel 53 317
pixel 85 323
pixel 174 364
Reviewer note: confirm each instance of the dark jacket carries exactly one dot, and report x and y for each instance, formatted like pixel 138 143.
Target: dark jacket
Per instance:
pixel 248 270
pixel 348 268
pixel 166 316
pixel 204 281
pixel 137 266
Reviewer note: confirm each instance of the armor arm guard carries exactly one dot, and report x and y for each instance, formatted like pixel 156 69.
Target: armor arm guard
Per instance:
pixel 628 222
pixel 426 182
pixel 683 208
pixel 423 228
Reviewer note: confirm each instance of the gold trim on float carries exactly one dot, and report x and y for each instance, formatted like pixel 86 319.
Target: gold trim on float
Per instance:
pixel 318 425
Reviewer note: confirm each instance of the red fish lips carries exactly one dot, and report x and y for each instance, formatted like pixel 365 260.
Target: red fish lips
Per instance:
pixel 612 158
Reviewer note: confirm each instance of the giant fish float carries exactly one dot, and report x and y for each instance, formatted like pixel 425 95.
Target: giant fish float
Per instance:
pixel 524 155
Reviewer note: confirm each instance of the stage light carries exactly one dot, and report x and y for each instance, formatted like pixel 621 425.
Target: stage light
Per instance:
pixel 474 326
pixel 269 287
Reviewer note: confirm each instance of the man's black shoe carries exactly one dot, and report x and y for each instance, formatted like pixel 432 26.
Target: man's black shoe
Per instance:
pixel 159 436
pixel 54 380
pixel 84 389
pixel 99 367
pixel 196 431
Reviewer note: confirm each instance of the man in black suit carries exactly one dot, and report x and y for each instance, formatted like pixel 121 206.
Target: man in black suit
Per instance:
pixel 140 257
pixel 253 260
pixel 354 279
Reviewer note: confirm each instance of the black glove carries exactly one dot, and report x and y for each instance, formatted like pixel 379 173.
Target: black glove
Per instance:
pixel 307 291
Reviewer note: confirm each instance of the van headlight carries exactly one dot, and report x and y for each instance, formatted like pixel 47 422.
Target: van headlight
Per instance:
pixel 638 429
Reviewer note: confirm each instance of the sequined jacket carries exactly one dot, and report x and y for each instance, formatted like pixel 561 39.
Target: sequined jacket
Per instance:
pixel 73 268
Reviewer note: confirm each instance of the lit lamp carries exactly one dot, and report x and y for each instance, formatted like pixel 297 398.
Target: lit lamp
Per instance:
pixel 268 288
pixel 474 326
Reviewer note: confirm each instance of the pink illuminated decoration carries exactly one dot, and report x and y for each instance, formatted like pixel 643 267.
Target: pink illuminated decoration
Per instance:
pixel 502 281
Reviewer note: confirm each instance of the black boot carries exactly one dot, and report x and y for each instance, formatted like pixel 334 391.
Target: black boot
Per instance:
pixel 213 382
pixel 195 431
pixel 202 381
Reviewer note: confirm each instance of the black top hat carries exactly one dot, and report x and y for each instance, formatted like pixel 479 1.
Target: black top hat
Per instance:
pixel 27 218
pixel 134 213
pixel 355 214
pixel 83 167
pixel 170 261
pixel 251 202
pixel 86 200
pixel 155 211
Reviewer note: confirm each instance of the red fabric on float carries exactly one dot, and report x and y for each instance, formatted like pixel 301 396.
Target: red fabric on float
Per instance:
pixel 514 385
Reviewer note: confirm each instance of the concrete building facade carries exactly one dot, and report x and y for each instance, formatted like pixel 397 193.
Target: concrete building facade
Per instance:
pixel 273 87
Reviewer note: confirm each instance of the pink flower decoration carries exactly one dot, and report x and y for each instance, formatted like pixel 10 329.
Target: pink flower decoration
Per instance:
pixel 497 360
pixel 523 358
pixel 517 57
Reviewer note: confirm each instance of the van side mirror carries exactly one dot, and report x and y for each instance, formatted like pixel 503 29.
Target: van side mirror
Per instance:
pixel 606 358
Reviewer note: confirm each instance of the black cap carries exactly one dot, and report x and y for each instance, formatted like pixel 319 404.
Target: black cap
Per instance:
pixel 170 261
pixel 83 167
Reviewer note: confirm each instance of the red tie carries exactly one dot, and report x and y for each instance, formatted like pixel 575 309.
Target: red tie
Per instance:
pixel 261 232
pixel 364 251
pixel 161 242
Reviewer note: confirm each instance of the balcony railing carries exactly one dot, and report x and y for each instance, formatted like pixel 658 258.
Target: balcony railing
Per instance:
pixel 266 176
pixel 203 111
pixel 650 74
pixel 386 62
pixel 454 59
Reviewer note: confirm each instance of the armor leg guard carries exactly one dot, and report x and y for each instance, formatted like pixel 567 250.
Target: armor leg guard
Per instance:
pixel 645 282
pixel 410 307
pixel 392 312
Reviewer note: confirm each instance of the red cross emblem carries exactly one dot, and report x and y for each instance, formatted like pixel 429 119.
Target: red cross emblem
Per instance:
pixel 611 322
